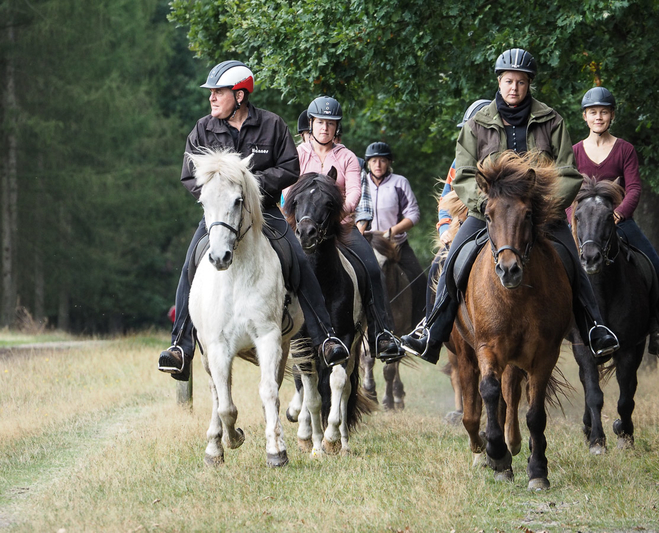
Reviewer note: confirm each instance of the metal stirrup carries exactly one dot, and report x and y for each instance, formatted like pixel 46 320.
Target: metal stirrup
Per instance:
pixel 606 351
pixel 420 331
pixel 322 350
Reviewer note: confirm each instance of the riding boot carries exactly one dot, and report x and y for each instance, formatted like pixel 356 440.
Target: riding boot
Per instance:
pixel 426 343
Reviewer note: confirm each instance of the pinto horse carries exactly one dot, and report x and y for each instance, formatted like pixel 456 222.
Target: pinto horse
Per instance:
pixel 622 279
pixel 331 398
pixel 398 288
pixel 517 308
pixel 238 302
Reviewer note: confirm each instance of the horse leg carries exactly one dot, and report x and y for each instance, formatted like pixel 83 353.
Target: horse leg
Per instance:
pixel 295 405
pixel 594 398
pixel 220 366
pixel 498 455
pixel 310 429
pixel 627 365
pixel 389 374
pixel 536 420
pixel 214 455
pixel 399 389
pixel 270 355
pixel 367 362
pixel 512 392
pixel 345 398
pixel 332 437
pixel 454 417
pixel 473 405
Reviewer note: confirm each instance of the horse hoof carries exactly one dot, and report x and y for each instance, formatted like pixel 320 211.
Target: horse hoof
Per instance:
pixel 399 405
pixel 454 418
pixel 500 465
pixel 625 442
pixel 214 462
pixel 316 454
pixel 331 448
pixel 305 445
pixel 597 449
pixel 388 403
pixel 371 393
pixel 479 460
pixel 275 460
pixel 290 416
pixel 538 484
pixel 345 450
pixel 505 475
pixel 233 444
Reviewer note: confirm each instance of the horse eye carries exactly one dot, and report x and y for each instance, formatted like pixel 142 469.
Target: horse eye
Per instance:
pixel 238 202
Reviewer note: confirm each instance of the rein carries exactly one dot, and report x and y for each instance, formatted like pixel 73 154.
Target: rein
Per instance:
pixel 235 231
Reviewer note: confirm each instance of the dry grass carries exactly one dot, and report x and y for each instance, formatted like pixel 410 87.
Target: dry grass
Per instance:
pixel 116 454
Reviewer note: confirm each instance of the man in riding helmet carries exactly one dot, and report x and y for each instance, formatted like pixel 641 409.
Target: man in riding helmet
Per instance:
pixel 235 124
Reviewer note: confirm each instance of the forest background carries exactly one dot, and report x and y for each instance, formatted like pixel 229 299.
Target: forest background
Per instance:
pixel 97 98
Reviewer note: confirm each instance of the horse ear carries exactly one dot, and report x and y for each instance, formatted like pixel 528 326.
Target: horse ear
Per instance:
pixel 530 175
pixel 332 173
pixel 482 183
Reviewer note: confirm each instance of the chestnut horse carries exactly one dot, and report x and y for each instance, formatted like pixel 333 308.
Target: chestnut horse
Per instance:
pixel 516 310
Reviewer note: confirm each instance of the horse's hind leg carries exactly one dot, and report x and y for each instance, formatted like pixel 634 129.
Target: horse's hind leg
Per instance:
pixel 472 404
pixel 367 362
pixel 214 451
pixel 399 389
pixel 271 360
pixel 295 405
pixel 627 365
pixel 593 396
pixel 451 368
pixel 389 374
pixel 512 392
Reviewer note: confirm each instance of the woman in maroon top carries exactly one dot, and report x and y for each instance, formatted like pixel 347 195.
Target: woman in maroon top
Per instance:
pixel 605 157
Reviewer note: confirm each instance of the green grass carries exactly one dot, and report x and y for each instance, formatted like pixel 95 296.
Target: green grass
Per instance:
pixel 118 455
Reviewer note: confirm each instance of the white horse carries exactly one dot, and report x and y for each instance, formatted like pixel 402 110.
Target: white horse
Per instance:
pixel 237 301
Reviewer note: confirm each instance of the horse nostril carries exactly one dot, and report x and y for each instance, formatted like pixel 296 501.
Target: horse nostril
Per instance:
pixel 227 257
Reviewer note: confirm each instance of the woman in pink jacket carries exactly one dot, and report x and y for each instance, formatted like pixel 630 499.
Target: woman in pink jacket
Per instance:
pixel 320 154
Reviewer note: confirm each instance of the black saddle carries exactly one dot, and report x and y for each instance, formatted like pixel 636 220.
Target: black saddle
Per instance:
pixel 363 280
pixel 290 267
pixel 458 270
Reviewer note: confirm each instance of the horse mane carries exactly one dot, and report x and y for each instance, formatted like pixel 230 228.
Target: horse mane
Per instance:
pixel 209 162
pixel 383 246
pixel 512 175
pixel 327 186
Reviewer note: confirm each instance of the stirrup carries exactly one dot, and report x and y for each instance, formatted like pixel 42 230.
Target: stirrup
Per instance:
pixel 606 351
pixel 173 369
pixel 420 331
pixel 389 358
pixel 322 351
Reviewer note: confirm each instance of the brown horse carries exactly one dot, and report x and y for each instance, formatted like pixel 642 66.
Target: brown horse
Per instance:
pixel 400 292
pixel 516 310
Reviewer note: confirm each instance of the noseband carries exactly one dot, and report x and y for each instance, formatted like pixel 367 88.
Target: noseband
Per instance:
pixel 322 227
pixel 524 258
pixel 235 231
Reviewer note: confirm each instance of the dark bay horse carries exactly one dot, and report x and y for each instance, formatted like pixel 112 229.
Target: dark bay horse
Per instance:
pixel 399 291
pixel 332 398
pixel 622 279
pixel 517 308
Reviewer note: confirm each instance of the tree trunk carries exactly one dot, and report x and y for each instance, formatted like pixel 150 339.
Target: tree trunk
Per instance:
pixel 39 282
pixel 647 215
pixel 9 191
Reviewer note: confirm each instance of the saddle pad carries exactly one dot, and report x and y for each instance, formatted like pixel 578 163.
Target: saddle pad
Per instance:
pixel 290 268
pixel 645 268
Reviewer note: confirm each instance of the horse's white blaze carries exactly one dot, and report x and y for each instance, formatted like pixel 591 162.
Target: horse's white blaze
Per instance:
pixel 241 307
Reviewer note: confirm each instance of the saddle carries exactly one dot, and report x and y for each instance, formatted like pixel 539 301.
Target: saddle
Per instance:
pixel 459 268
pixel 290 268
pixel 363 280
pixel 645 267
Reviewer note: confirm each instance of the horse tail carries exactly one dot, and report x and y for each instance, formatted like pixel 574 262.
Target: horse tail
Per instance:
pixel 558 387
pixel 606 371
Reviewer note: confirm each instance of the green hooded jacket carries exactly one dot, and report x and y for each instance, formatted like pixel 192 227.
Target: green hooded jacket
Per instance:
pixel 484 134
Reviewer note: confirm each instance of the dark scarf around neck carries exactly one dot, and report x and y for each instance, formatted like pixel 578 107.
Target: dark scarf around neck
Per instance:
pixel 517 115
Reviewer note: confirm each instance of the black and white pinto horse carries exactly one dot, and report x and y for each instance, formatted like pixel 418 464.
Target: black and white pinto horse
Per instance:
pixel 237 301
pixel 398 289
pixel 330 402
pixel 622 279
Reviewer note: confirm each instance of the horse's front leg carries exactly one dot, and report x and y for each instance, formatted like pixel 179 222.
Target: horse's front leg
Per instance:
pixel 214 455
pixel 310 428
pixel 271 360
pixel 593 396
pixel 536 420
pixel 332 439
pixel 367 363
pixel 499 457
pixel 627 365
pixel 219 362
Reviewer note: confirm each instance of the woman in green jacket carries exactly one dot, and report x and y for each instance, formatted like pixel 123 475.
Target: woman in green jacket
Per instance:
pixel 513 121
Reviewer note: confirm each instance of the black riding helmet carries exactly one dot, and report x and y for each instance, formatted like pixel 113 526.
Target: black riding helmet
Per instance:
pixel 303 122
pixel 598 96
pixel 378 149
pixel 328 108
pixel 518 60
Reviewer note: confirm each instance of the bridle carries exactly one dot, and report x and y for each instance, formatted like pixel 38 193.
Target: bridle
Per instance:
pixel 235 231
pixel 604 250
pixel 524 258
pixel 322 227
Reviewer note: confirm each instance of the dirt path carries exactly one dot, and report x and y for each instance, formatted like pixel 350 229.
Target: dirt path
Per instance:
pixel 32 349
